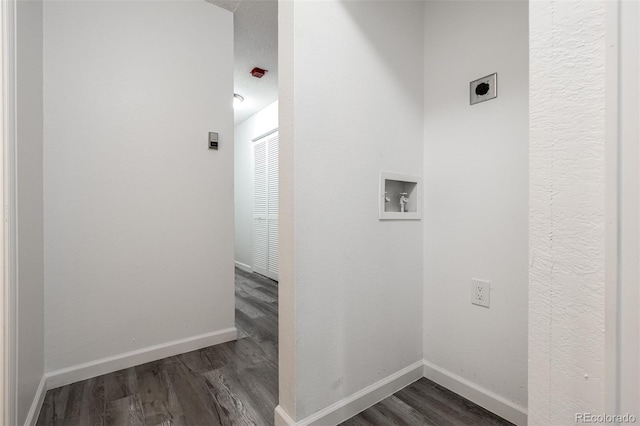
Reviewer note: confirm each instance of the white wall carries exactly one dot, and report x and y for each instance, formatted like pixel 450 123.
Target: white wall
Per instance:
pixel 138 212
pixel 568 260
pixel 30 338
pixel 257 125
pixel 476 174
pixel 352 109
pixel 287 338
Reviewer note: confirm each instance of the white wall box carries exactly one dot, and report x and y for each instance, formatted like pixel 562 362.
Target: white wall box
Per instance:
pixel 399 196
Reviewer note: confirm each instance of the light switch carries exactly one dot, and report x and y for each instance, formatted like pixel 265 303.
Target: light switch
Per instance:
pixel 213 140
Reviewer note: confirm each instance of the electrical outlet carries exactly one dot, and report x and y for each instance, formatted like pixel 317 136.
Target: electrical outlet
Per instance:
pixel 480 291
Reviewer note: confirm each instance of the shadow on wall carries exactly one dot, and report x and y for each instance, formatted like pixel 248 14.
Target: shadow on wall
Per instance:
pixel 369 20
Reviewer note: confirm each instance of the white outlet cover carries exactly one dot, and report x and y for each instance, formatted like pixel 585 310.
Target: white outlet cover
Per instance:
pixel 480 292
pixel 483 89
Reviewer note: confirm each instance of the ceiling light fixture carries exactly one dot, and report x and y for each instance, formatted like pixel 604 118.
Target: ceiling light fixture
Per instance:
pixel 237 99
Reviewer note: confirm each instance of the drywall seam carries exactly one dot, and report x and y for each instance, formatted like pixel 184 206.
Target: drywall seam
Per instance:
pixel 475 393
pixel 110 364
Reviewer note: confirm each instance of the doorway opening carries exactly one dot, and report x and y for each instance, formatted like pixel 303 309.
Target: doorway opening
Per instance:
pixel 256 184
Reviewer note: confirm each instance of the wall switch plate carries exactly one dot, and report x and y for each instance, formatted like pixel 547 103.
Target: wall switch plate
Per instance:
pixel 480 291
pixel 483 89
pixel 213 140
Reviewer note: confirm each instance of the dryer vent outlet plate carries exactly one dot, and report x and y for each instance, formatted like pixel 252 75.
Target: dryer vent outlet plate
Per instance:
pixel 484 89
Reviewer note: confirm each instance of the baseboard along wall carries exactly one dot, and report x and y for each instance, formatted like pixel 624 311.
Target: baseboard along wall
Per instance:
pixel 331 415
pixel 36 405
pixel 356 403
pixel 244 266
pixel 371 395
pixel 476 394
pixel 110 364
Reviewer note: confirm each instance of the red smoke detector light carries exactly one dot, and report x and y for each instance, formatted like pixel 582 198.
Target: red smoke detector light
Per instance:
pixel 258 72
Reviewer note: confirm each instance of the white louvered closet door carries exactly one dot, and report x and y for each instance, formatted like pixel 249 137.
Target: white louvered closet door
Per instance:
pixel 260 229
pixel 265 206
pixel 272 219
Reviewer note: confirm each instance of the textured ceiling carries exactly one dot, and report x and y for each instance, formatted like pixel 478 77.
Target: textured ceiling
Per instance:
pixel 255 45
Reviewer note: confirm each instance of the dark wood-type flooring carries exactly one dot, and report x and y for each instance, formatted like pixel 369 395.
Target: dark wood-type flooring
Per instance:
pixel 234 383
pixel 426 403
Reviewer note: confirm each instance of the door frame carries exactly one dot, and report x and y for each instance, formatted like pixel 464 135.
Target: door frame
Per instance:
pixel 622 321
pixel 8 305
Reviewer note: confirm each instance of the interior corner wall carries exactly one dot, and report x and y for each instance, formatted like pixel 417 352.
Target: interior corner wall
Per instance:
pixel 476 187
pixel 245 132
pixel 30 263
pixel 138 212
pixel 568 209
pixel 357 99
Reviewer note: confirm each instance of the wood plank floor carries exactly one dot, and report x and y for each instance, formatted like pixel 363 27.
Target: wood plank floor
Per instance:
pixel 234 383
pixel 426 403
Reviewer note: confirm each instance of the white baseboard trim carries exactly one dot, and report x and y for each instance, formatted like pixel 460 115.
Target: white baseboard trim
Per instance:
pixel 36 405
pixel 356 403
pixel 110 364
pixel 282 418
pixel 477 394
pixel 244 266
